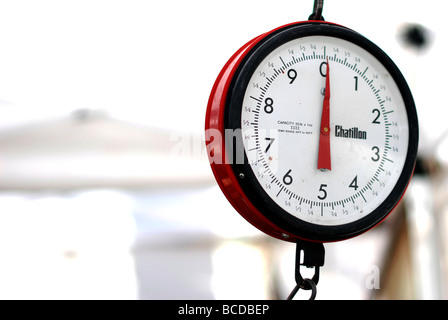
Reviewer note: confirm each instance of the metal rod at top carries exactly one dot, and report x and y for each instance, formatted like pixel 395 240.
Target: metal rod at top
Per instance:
pixel 317 10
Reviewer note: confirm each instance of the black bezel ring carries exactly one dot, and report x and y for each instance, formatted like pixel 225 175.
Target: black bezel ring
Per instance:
pixel 250 184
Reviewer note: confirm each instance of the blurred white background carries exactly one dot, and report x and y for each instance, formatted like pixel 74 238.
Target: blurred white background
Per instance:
pixel 105 189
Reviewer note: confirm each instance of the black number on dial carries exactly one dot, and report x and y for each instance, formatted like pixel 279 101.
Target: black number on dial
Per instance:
pixel 354 183
pixel 287 179
pixel 268 108
pixel 321 69
pixel 292 74
pixel 324 192
pixel 377 154
pixel 377 116
pixel 271 141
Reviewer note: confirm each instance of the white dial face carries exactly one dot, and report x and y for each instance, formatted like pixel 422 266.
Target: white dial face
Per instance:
pixel 363 140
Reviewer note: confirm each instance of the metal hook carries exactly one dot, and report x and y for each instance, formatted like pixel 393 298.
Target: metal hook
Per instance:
pixel 309 283
pixel 313 256
pixel 317 10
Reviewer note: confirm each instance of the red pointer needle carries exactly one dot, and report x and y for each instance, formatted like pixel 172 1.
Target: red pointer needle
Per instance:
pixel 324 158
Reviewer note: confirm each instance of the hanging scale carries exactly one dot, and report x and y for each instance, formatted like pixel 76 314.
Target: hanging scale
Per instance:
pixel 312 135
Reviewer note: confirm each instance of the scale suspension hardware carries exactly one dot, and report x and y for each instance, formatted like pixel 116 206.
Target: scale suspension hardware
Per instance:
pixel 317 11
pixel 313 257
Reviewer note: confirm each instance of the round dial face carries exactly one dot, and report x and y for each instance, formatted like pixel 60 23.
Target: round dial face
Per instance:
pixel 367 128
pixel 328 129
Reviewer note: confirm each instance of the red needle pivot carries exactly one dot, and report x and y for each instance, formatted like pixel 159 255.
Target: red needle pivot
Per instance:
pixel 324 157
